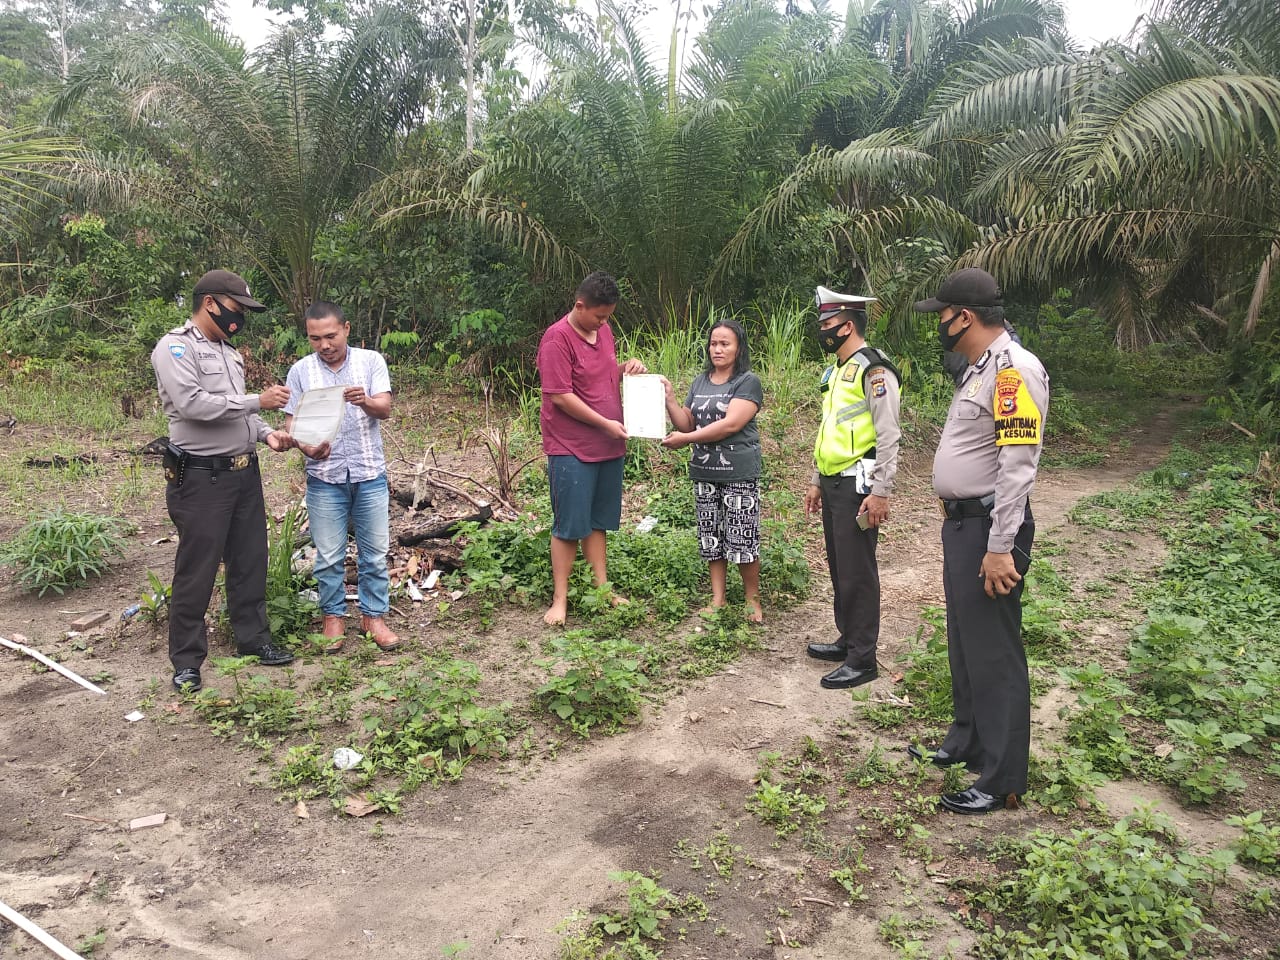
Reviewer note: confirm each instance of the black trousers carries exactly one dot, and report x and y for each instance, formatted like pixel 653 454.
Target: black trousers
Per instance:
pixel 855 578
pixel 219 515
pixel 990 690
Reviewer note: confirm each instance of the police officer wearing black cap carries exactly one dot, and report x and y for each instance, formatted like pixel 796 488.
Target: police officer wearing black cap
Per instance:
pixel 214 488
pixel 983 473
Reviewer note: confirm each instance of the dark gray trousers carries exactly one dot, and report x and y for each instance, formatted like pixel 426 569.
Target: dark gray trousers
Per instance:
pixel 990 690
pixel 218 515
pixel 855 578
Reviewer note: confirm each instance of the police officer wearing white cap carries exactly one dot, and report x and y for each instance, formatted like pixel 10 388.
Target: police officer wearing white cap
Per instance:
pixel 983 472
pixel 855 458
pixel 214 489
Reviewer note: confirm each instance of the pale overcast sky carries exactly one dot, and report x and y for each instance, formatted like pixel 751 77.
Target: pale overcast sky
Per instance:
pixel 1089 21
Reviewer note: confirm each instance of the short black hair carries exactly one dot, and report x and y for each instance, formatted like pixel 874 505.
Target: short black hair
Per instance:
pixel 598 290
pixel 742 362
pixel 859 318
pixel 320 309
pixel 987 316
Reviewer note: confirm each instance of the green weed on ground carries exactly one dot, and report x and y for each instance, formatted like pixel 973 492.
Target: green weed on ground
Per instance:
pixel 592 682
pixel 1205 664
pixel 634 932
pixel 1128 891
pixel 60 550
pixel 423 725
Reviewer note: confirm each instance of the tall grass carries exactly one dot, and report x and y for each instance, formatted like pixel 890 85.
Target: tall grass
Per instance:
pixel 57 393
pixel 789 374
pixel 677 351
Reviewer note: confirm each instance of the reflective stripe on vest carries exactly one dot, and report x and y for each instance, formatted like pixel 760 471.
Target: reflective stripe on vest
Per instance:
pixel 846 432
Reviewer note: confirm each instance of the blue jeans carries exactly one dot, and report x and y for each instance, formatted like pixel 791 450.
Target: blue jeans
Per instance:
pixel 333 507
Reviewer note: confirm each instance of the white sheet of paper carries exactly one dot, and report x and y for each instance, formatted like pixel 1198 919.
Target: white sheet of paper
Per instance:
pixel 644 406
pixel 319 415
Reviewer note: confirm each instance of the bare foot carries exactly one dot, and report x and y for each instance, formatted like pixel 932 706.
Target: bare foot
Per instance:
pixel 754 612
pixel 554 617
pixel 711 610
pixel 618 601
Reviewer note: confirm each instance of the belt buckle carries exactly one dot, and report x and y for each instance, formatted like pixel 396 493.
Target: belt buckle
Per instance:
pixel 240 461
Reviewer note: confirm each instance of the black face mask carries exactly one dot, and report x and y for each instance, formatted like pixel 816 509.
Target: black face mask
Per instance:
pixel 830 341
pixel 230 322
pixel 950 340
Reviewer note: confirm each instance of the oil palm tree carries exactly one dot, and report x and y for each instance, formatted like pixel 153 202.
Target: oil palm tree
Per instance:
pixel 645 172
pixel 279 141
pixel 1151 173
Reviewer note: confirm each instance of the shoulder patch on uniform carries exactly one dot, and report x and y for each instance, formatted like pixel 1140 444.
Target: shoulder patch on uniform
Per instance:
pixel 1017 417
pixel 177 349
pixel 878 388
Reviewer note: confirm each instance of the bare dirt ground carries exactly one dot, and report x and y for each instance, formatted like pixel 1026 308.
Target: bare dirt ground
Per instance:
pixel 498 861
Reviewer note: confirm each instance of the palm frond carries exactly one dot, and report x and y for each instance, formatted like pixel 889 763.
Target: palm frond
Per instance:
pixel 1176 101
pixel 1226 23
pixel 503 221
pixel 1261 288
pixel 883 158
pixel 30 160
pixel 1002 86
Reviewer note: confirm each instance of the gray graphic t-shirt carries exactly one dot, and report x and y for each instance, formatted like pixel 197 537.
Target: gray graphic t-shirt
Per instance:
pixel 736 457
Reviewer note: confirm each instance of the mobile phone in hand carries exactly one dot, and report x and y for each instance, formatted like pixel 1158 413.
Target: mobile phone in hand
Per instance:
pixel 863 522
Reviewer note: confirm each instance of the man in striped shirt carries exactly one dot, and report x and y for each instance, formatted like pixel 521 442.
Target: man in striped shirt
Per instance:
pixel 347 484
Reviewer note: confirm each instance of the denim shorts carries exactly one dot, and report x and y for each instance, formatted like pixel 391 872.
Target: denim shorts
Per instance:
pixel 584 496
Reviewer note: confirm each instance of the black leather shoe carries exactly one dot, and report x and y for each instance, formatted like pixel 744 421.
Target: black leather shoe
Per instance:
pixel 845 676
pixel 187 680
pixel 974 800
pixel 938 757
pixel 827 651
pixel 269 655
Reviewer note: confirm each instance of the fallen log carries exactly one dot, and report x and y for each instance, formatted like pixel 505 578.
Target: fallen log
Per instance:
pixel 443 554
pixel 59 462
pixel 405 499
pixel 436 527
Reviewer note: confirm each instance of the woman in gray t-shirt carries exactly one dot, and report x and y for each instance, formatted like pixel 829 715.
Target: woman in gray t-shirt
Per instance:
pixel 719 419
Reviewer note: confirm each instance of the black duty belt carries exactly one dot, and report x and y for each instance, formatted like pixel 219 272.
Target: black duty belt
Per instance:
pixel 177 462
pixel 241 461
pixel 974 507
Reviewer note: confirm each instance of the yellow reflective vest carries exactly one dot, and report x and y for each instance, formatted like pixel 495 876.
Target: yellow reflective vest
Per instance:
pixel 846 433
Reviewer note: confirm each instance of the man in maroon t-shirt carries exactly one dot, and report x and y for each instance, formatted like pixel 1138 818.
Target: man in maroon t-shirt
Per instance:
pixel 582 433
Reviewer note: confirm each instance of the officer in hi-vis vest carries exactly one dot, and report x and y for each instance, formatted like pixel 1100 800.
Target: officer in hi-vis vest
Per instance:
pixel 855 457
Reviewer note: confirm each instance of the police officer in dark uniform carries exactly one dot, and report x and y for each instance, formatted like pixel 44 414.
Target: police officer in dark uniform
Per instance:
pixel 983 473
pixel 214 489
pixel 855 461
